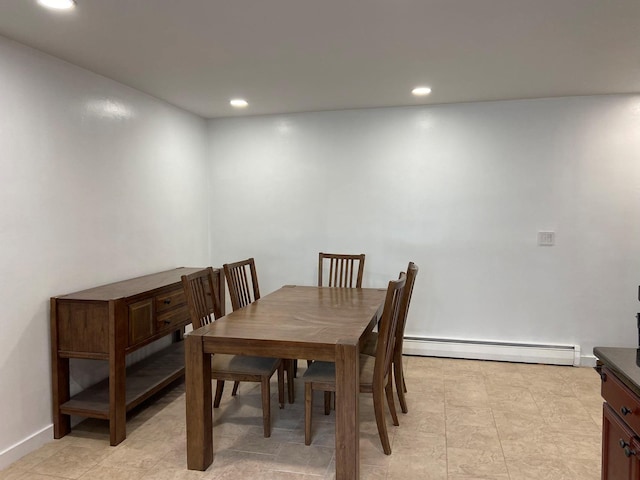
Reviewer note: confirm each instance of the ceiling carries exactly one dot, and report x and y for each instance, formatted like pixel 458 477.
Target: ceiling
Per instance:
pixel 303 55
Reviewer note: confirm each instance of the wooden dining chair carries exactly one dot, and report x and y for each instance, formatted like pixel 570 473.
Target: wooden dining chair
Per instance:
pixel 242 281
pixel 375 372
pixel 204 308
pixel 341 270
pixel 338 270
pixel 370 343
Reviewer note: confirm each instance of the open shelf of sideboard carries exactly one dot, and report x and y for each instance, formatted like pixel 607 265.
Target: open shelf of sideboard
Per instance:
pixel 144 379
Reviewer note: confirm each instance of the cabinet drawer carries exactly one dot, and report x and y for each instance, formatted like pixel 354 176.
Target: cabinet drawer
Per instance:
pixel 622 400
pixel 169 300
pixel 173 318
pixel 618 447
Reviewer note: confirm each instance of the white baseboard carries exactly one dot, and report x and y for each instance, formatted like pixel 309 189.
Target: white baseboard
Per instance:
pixel 500 351
pixel 28 445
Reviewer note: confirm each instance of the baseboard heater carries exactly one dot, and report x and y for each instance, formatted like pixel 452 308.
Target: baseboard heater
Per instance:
pixel 490 350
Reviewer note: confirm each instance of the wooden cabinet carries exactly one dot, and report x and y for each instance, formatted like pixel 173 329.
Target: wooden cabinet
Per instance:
pixel 108 322
pixel 620 429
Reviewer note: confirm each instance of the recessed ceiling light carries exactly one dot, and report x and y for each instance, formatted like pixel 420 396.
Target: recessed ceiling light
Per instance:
pixel 58 4
pixel 239 103
pixel 421 91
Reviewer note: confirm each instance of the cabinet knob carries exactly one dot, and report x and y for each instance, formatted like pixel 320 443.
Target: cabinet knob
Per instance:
pixel 167 301
pixel 628 452
pixel 625 411
pixel 622 443
pixel 167 322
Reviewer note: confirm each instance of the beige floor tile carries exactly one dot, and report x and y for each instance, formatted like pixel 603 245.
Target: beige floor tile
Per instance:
pixel 403 467
pixel 466 394
pixel 475 476
pixel 408 443
pixel 100 472
pixel 429 423
pixel 540 468
pixel 473 438
pixel 38 476
pixel 132 457
pixel 367 472
pixel 469 416
pixel 467 420
pixel 463 461
pixel 304 459
pixel 72 461
pixel 14 473
pixel 512 424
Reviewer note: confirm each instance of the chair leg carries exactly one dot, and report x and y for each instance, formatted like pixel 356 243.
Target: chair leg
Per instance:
pixel 219 389
pixel 401 388
pixel 281 383
pixel 392 406
pixel 234 392
pixel 266 405
pixel 295 368
pixel 291 374
pixel 327 403
pixel 308 407
pixel 378 408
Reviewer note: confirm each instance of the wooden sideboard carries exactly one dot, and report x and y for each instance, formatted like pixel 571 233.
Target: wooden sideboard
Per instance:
pixel 620 374
pixel 107 323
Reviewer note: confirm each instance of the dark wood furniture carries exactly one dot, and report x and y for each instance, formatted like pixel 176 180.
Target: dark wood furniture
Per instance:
pixel 620 374
pixel 242 280
pixel 375 372
pixel 106 323
pixel 371 342
pixel 292 322
pixel 204 308
pixel 342 270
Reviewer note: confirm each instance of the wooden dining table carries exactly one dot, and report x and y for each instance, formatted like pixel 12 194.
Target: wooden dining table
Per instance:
pixel 294 322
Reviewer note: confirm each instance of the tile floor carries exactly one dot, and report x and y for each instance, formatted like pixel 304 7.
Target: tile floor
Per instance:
pixel 467 420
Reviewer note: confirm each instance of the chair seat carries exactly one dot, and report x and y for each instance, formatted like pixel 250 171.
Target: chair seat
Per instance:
pixel 325 372
pixel 243 364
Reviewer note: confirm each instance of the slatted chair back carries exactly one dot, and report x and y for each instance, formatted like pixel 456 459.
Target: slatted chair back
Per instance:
pixel 243 282
pixel 342 270
pixel 201 291
pixel 412 272
pixel 387 328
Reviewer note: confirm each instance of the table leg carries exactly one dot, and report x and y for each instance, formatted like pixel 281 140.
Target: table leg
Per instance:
pixel 347 411
pixel 198 404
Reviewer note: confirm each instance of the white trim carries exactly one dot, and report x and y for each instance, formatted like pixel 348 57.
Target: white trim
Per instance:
pixel 588 361
pixel 488 350
pixel 28 445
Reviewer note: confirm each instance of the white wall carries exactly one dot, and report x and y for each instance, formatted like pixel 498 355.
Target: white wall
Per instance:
pixel 462 190
pixel 98 183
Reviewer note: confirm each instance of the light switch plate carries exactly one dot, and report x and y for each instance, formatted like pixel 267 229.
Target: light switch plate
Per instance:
pixel 546 239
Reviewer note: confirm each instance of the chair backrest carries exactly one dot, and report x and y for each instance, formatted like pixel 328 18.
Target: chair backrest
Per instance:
pixel 343 270
pixel 243 282
pixel 201 290
pixel 412 272
pixel 387 328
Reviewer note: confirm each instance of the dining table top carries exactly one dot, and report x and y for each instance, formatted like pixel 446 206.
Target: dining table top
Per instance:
pixel 319 323
pixel 297 321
